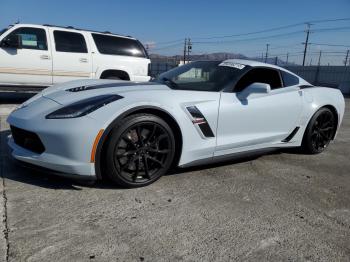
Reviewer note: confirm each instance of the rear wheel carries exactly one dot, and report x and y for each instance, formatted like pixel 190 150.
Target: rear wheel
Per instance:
pixel 140 150
pixel 319 132
pixel 113 78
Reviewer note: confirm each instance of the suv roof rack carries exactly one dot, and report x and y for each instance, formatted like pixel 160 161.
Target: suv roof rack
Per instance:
pixel 80 29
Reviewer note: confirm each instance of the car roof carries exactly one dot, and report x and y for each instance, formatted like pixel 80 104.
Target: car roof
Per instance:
pixel 253 63
pixel 73 29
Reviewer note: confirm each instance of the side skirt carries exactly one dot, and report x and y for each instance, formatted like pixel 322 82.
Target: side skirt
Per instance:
pixel 230 157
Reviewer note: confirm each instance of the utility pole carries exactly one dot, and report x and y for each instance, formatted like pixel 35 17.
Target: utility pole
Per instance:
pixel 185 47
pixel 267 51
pixel 287 58
pixel 189 48
pixel 319 58
pixel 346 58
pixel 306 41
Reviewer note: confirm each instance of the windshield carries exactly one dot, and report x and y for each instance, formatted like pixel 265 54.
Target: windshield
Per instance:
pixel 202 75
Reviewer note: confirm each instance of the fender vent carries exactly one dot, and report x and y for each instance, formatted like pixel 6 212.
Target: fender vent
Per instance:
pixel 291 135
pixel 199 119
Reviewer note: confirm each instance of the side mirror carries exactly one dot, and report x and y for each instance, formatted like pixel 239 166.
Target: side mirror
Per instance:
pixel 12 41
pixel 257 88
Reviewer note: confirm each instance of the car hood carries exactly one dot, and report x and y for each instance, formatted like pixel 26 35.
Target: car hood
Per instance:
pixel 73 91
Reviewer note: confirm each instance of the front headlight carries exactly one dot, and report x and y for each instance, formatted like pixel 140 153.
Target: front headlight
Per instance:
pixel 83 107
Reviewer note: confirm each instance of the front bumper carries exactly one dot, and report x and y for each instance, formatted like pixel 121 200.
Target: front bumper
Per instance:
pixel 68 142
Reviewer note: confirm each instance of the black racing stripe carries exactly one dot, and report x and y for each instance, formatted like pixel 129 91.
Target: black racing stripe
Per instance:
pixel 91 87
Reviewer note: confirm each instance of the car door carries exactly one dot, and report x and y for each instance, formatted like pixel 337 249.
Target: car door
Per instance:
pixel 28 62
pixel 257 120
pixel 71 56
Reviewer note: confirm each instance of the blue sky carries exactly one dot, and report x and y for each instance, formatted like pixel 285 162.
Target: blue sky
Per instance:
pixel 159 22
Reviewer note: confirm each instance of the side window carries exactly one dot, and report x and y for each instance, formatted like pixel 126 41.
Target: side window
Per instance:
pixel 289 79
pixel 32 38
pixel 69 42
pixel 261 75
pixel 114 45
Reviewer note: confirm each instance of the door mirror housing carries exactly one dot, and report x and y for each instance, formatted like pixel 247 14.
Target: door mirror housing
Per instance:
pixel 257 88
pixel 12 41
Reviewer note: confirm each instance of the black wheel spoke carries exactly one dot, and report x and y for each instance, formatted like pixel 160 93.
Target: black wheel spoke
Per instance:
pixel 326 129
pixel 155 160
pixel 160 138
pixel 126 153
pixel 159 151
pixel 145 164
pixel 139 134
pixel 151 134
pixel 128 163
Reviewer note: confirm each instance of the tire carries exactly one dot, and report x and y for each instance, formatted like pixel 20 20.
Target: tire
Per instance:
pixel 134 162
pixel 319 132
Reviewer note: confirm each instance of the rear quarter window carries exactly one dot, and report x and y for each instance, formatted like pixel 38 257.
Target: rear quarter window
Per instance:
pixel 114 45
pixel 289 79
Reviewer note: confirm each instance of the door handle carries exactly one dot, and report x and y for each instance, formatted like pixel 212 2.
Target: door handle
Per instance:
pixel 45 57
pixel 83 60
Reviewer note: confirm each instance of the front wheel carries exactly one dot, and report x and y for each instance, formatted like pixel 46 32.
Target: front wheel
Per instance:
pixel 319 132
pixel 140 150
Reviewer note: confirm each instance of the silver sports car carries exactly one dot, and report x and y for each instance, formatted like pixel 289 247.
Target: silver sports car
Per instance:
pixel 198 113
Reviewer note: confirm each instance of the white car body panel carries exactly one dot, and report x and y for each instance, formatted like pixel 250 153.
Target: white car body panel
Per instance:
pixel 261 121
pixel 34 67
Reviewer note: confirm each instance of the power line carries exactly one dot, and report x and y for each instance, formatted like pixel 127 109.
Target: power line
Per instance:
pixel 249 39
pixel 329 44
pixel 259 31
pixel 275 28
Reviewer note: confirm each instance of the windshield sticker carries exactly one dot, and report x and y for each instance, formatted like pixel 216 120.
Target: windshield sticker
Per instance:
pixel 231 64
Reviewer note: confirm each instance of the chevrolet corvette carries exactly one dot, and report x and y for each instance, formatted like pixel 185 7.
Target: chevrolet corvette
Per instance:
pixel 198 113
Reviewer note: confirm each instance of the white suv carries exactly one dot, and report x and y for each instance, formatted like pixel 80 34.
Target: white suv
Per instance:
pixel 42 55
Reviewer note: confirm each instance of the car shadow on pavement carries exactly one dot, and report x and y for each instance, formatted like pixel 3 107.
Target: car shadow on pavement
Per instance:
pixel 13 170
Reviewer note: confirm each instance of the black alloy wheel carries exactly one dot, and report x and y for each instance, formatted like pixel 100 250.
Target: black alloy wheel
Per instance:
pixel 320 131
pixel 140 150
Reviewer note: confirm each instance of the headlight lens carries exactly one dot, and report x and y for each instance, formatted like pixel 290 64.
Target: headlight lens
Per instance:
pixel 83 107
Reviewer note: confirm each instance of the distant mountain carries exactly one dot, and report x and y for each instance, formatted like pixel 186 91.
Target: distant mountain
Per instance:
pixel 218 56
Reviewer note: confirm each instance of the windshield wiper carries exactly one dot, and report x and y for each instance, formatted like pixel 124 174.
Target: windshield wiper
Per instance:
pixel 169 82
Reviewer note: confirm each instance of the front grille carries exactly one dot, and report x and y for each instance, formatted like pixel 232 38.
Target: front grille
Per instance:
pixel 27 140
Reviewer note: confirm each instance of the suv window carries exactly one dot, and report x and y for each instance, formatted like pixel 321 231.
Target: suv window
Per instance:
pixel 113 45
pixel 69 42
pixel 289 79
pixel 31 38
pixel 261 75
